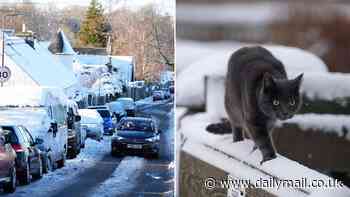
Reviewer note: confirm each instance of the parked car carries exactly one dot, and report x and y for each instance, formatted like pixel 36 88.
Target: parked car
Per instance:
pixel 117 110
pixel 7 164
pixel 92 121
pixel 136 134
pixel 108 127
pixel 128 104
pixel 42 111
pixel 74 130
pixel 157 95
pixel 29 158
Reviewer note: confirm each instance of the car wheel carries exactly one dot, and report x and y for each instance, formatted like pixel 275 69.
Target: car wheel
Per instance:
pixel 39 174
pixel 61 162
pixel 47 166
pixel 25 178
pixel 10 187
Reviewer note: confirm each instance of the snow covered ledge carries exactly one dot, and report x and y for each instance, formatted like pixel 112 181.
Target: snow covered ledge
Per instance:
pixel 204 155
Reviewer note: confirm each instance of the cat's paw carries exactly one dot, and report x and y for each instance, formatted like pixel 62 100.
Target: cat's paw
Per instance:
pixel 219 128
pixel 237 138
pixel 268 158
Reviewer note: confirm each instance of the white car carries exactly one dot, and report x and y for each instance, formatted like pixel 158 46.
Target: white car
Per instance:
pixel 92 121
pixel 128 104
pixel 42 111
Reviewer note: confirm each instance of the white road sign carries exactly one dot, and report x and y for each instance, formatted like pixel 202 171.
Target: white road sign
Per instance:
pixel 5 74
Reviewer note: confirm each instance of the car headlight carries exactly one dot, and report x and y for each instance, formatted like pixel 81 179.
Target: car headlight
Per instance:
pixel 152 139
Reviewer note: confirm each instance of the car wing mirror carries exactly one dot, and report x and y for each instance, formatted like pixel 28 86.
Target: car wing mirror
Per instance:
pixel 77 118
pixel 54 127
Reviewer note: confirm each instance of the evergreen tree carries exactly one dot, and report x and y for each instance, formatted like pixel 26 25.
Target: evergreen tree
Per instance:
pixel 93 26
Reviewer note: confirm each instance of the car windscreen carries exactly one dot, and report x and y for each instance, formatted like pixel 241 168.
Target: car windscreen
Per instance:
pixel 135 125
pixel 104 113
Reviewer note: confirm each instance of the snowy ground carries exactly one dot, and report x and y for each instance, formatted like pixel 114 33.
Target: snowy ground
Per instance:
pixel 127 172
pixel 60 178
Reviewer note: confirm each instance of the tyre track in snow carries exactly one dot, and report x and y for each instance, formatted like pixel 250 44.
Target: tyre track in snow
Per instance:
pixel 91 177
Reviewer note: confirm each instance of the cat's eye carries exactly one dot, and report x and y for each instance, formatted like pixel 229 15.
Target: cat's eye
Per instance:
pixel 292 102
pixel 275 102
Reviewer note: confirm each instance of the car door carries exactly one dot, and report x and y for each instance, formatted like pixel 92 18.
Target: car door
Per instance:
pixel 28 144
pixel 29 137
pixel 4 158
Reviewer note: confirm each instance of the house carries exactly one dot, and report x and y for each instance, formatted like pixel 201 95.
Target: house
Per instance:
pixel 31 64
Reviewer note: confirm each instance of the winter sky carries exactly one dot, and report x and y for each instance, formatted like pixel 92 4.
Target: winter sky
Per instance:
pixel 165 6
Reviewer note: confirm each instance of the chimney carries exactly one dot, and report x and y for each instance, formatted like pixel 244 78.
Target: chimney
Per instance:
pixel 24 27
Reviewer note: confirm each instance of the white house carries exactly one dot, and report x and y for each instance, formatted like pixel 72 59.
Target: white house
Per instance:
pixel 31 64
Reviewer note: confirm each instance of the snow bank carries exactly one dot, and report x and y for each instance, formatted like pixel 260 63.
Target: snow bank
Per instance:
pixel 119 183
pixel 296 61
pixel 326 86
pixel 329 123
pixel 236 159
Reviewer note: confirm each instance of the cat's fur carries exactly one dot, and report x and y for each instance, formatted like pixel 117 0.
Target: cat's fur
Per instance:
pixel 257 94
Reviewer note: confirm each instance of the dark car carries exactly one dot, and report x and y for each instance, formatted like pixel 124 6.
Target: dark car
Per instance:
pixel 29 159
pixel 136 134
pixel 74 131
pixel 7 163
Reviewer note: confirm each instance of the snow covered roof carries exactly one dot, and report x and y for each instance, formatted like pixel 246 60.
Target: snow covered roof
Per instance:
pixel 36 120
pixel 61 45
pixel 67 47
pixel 31 96
pixel 123 63
pixel 90 116
pixel 39 63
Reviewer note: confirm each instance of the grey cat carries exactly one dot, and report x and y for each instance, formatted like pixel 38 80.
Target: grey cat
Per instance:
pixel 257 94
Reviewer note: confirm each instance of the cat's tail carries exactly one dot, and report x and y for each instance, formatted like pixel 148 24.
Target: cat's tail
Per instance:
pixel 220 128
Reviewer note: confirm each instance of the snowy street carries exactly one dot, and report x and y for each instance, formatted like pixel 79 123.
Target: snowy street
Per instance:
pixel 96 173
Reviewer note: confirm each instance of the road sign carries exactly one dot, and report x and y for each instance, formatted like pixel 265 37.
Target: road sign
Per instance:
pixel 5 74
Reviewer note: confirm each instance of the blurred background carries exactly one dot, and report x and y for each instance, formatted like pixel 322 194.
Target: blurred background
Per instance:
pixel 322 27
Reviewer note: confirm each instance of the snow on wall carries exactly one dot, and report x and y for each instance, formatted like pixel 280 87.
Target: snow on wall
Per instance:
pixel 296 61
pixel 236 159
pixel 321 122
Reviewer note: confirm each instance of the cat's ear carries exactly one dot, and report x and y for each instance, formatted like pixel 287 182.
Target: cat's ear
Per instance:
pixel 268 81
pixel 298 80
